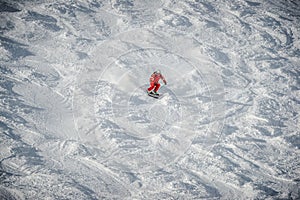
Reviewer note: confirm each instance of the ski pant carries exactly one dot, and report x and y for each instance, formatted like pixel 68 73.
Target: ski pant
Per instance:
pixel 154 86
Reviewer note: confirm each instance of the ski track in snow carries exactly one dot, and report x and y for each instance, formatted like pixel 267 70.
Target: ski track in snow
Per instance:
pixel 76 122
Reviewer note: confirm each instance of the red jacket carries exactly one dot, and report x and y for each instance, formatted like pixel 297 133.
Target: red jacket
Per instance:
pixel 156 77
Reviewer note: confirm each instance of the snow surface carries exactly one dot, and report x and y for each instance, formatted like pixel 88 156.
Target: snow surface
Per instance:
pixel 76 122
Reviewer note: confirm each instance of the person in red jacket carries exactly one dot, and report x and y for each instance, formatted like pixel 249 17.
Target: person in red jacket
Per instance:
pixel 154 82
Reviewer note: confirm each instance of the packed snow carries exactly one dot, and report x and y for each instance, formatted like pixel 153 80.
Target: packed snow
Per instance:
pixel 76 121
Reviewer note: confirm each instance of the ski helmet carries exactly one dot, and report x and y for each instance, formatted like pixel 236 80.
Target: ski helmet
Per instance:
pixel 157 71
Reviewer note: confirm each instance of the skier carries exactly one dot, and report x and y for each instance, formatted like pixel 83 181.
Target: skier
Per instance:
pixel 154 82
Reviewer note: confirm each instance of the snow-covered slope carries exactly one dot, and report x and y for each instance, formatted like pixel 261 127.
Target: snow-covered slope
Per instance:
pixel 76 122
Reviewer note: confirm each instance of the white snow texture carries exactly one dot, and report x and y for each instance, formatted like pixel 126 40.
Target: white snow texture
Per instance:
pixel 76 121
